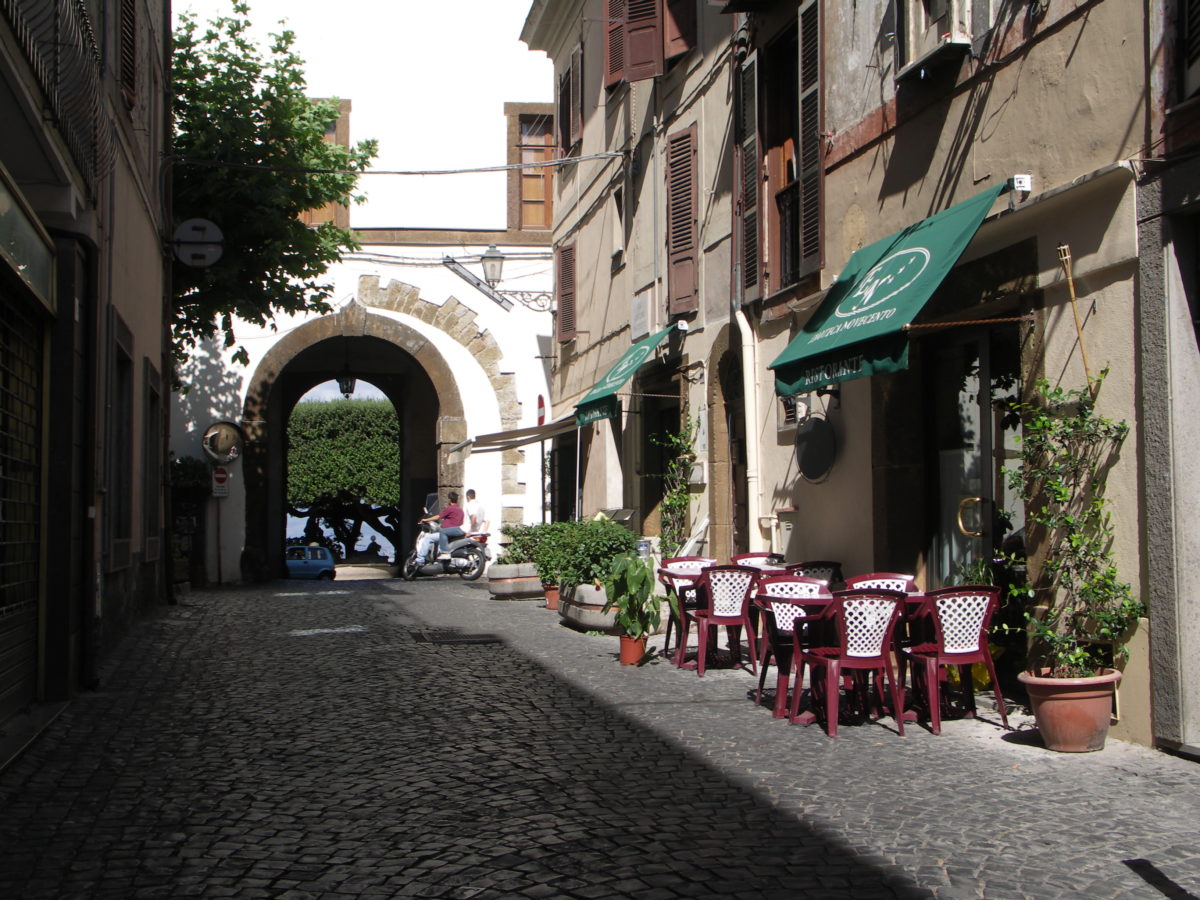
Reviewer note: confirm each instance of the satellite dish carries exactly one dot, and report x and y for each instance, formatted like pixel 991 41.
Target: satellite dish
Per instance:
pixel 816 448
pixel 198 243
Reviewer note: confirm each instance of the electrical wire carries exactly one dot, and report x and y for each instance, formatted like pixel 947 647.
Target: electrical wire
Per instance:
pixel 296 170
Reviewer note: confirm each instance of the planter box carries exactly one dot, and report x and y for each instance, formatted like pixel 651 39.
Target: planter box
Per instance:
pixel 517 581
pixel 580 608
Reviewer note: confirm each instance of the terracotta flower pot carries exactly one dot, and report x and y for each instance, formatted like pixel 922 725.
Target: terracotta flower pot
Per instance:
pixel 1072 714
pixel 551 591
pixel 632 649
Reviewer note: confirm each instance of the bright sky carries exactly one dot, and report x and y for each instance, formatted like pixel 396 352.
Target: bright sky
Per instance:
pixel 428 81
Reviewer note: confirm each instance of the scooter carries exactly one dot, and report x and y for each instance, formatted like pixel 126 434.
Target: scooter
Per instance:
pixel 468 555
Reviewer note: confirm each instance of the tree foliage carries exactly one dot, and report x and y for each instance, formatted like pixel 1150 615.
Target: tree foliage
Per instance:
pixel 344 466
pixel 250 155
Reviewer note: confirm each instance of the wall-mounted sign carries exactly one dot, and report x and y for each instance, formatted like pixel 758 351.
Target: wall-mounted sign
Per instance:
pixel 222 442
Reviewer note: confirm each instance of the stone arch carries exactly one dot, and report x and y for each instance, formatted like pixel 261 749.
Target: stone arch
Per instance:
pixel 724 525
pixel 405 356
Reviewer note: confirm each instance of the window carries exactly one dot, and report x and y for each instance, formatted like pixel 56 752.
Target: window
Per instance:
pixel 570 103
pixel 682 237
pixel 119 519
pixel 535 190
pixel 152 462
pixel 564 288
pixel 128 50
pixel 781 150
pixel 643 35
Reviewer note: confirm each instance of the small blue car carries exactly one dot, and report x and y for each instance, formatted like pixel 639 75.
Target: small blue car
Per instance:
pixel 310 562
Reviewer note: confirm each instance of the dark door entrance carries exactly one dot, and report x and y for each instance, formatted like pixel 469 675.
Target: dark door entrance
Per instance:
pixel 971 374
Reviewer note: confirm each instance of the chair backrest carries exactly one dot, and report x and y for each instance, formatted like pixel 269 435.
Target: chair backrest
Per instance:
pixel 778 594
pixel 729 589
pixel 962 615
pixel 757 559
pixel 825 569
pixel 892 581
pixel 683 565
pixel 866 618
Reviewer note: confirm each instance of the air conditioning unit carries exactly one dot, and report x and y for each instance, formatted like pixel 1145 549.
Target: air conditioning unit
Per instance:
pixel 932 34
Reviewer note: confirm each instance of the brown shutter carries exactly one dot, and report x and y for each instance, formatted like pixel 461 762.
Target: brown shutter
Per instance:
pixel 564 117
pixel 128 24
pixel 614 45
pixel 811 151
pixel 576 95
pixel 564 271
pixel 643 39
pixel 682 239
pixel 748 176
pixel 679 27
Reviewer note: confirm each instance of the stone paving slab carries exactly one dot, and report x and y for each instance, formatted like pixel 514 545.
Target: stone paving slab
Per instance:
pixel 386 739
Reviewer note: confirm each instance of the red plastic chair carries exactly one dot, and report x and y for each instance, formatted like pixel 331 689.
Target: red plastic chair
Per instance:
pixel 781 600
pixel 961 616
pixel 863 621
pixel 890 581
pixel 679 575
pixel 724 599
pixel 825 569
pixel 757 559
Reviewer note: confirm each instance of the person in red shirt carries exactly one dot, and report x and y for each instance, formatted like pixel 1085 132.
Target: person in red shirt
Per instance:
pixel 450 520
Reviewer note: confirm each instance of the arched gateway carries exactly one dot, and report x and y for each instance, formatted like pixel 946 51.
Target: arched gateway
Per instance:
pixel 364 339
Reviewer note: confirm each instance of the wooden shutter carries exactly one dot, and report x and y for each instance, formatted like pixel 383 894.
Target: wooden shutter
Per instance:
pixel 682 237
pixel 563 112
pixel 811 151
pixel 614 44
pixel 750 182
pixel 643 39
pixel 1191 47
pixel 564 283
pixel 576 98
pixel 679 27
pixel 128 49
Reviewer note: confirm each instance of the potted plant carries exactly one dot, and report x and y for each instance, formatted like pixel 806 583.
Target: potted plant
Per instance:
pixel 1081 612
pixel 551 552
pixel 629 586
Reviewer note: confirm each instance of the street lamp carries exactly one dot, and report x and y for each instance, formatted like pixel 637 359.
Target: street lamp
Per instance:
pixel 493 264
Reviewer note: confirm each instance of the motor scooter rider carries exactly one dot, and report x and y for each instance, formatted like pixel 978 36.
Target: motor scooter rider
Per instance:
pixel 450 520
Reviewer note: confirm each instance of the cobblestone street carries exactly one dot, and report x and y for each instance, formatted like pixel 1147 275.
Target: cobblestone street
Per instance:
pixel 384 739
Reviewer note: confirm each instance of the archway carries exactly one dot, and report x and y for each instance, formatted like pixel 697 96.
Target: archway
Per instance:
pixel 403 363
pixel 729 528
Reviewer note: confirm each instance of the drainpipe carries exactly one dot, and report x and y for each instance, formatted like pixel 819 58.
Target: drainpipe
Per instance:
pixel 750 387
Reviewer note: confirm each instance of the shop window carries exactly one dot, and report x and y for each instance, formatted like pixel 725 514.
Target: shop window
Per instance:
pixel 119 501
pixel 152 462
pixel 564 285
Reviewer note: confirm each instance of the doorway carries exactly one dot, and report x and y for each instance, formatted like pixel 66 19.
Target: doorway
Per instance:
pixel 973 376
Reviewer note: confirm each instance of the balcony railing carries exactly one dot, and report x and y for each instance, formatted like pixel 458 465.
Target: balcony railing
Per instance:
pixel 59 44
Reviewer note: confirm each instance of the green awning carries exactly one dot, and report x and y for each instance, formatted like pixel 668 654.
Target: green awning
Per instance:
pixel 860 327
pixel 601 400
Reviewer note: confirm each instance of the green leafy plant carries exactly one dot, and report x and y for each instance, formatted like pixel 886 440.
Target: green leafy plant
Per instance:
pixel 629 587
pixel 250 154
pixel 681 457
pixel 522 541
pixel 1081 611
pixel 571 553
